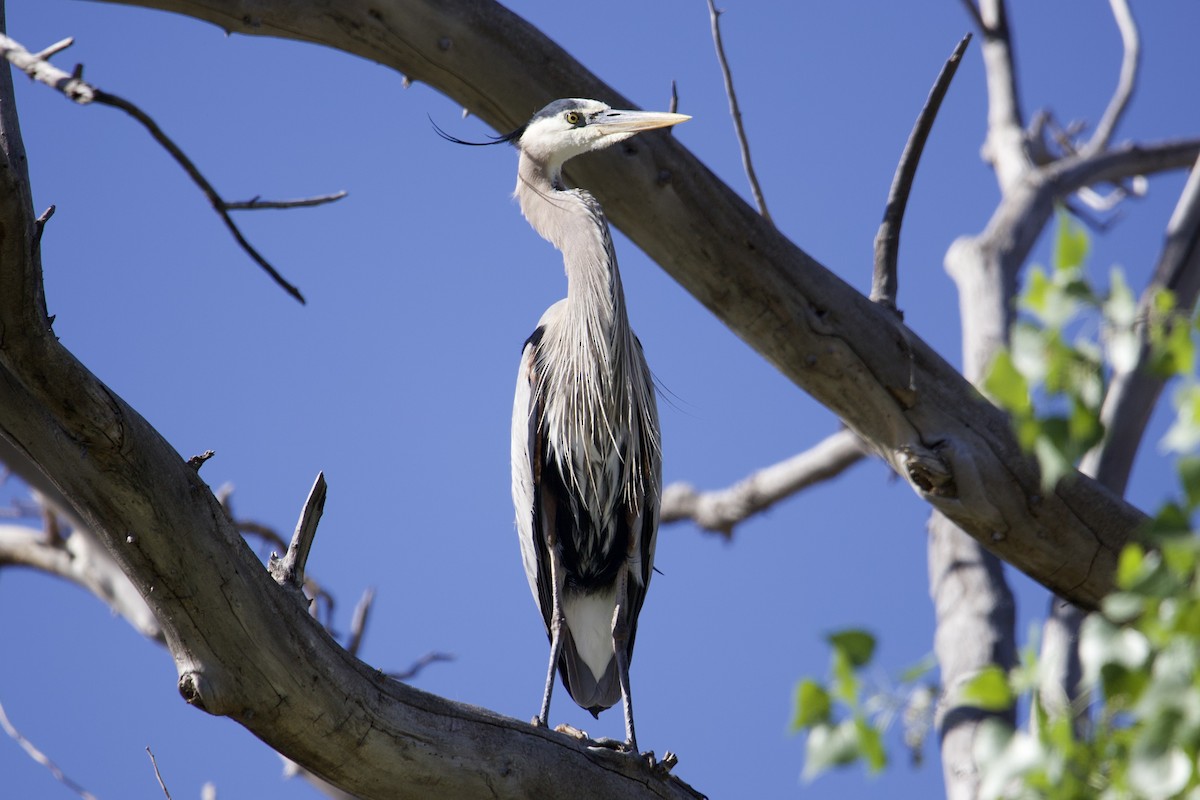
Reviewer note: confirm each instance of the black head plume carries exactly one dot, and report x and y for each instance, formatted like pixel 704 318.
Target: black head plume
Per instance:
pixel 505 138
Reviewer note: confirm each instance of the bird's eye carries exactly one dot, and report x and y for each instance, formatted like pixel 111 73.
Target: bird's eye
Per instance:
pixel 572 117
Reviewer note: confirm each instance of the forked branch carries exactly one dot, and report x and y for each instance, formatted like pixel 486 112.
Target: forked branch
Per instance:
pixel 72 86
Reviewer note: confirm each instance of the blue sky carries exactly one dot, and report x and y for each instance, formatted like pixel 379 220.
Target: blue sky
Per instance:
pixel 396 379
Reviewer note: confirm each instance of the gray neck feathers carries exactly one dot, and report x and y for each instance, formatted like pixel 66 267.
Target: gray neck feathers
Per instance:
pixel 598 391
pixel 573 222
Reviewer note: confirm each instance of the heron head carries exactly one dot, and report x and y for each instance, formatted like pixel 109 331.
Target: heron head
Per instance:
pixel 571 127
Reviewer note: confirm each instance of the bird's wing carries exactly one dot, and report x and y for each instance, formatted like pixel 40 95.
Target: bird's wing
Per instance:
pixel 526 469
pixel 645 523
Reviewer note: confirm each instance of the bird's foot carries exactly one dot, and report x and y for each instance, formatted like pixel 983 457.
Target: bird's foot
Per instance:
pixel 538 722
pixel 612 744
pixel 572 731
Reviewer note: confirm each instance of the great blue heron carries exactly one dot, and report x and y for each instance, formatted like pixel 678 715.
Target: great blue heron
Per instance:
pixel 586 451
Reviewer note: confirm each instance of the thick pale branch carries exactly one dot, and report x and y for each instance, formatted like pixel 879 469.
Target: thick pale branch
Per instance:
pixel 828 338
pixel 1004 147
pixel 720 511
pixel 82 560
pixel 914 409
pixel 236 636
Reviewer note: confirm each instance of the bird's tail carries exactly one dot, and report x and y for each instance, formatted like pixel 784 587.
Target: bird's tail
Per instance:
pixel 591 694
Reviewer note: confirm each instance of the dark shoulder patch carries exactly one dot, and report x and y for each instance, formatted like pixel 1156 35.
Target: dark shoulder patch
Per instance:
pixel 535 338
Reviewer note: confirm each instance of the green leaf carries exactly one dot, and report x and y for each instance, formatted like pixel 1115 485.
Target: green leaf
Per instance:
pixel 855 644
pixel 1035 296
pixel 1120 309
pixel 830 746
pixel 1174 352
pixel 1052 300
pixel 1027 344
pixel 1053 462
pixel 1170 523
pixel 813 705
pixel 1129 565
pixel 1189 476
pixel 1122 607
pixel 870 745
pixel 1006 385
pixel 1005 755
pixel 1158 774
pixel 989 689
pixel 1084 428
pixel 1070 243
pixel 1184 435
pixel 1111 656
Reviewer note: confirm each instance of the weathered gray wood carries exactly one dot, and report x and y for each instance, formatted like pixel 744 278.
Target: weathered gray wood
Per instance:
pixel 244 647
pixel 912 407
pixel 268 666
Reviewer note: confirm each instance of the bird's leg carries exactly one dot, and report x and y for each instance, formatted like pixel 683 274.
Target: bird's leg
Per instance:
pixel 620 637
pixel 556 626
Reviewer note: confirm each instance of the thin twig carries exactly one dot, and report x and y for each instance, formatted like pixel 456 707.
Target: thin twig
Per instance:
pixel 76 89
pixel 736 113
pixel 358 622
pixel 57 47
pixel 256 203
pixel 420 664
pixel 40 223
pixel 887 240
pixel 157 774
pixel 197 461
pixel 214 199
pixel 1127 81
pixel 41 758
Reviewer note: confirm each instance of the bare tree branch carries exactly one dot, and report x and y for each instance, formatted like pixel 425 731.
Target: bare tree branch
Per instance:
pixel 41 758
pixel 256 203
pixel 975 616
pixel 1004 147
pixel 887 240
pixel 81 559
pixel 418 666
pixel 734 111
pixel 1127 81
pixel 829 339
pixel 1131 397
pixel 158 775
pixel 289 570
pixel 83 93
pixel 720 511
pixel 822 334
pixel 1133 393
pixel 973 12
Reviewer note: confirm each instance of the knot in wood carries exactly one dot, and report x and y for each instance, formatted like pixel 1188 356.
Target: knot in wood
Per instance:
pixel 928 472
pixel 193 687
